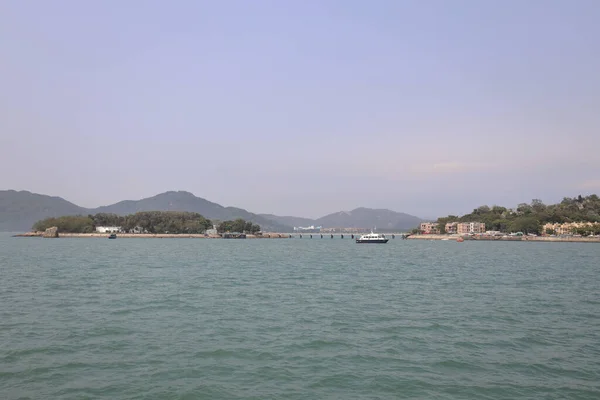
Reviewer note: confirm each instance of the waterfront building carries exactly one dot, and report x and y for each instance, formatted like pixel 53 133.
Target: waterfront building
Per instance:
pixel 108 229
pixel 430 228
pixel 451 227
pixel 566 228
pixel 470 227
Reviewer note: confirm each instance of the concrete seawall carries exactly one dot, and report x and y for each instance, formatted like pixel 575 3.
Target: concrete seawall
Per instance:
pixel 510 238
pixel 153 236
pixel 317 236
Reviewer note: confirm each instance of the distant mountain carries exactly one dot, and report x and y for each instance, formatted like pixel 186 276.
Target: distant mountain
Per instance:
pixel 383 220
pixel 20 210
pixel 289 221
pixel 186 201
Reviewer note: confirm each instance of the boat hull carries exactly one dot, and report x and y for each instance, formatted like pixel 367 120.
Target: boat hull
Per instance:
pixel 372 241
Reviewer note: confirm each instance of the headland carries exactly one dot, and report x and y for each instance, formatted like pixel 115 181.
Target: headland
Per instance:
pixel 506 238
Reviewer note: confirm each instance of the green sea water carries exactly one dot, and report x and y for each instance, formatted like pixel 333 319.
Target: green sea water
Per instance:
pixel 298 319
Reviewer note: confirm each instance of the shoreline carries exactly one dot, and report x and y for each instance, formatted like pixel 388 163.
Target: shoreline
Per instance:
pixel 153 235
pixel 553 239
pixel 275 235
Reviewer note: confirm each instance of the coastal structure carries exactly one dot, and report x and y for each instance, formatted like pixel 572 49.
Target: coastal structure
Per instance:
pixel 470 227
pixel 451 227
pixel 430 228
pixel 494 233
pixel 108 229
pixel 568 228
pixel 343 230
pixel 311 228
pixel 138 230
pixel 212 231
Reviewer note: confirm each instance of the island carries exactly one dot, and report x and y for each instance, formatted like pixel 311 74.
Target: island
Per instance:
pixel 160 224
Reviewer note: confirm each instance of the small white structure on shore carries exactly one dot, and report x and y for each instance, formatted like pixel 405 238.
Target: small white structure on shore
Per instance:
pixel 138 229
pixel 108 229
pixel 211 232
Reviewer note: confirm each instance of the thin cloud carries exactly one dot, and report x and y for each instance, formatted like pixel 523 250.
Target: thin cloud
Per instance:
pixel 590 185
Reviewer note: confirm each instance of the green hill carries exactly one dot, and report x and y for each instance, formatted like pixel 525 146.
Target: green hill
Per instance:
pixel 20 210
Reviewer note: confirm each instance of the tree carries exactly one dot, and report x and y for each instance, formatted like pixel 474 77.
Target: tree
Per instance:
pixel 483 209
pixel 538 206
pixel 498 210
pixel 526 225
pixel 524 208
pixel 151 221
pixel 442 228
pixel 239 225
pixel 70 224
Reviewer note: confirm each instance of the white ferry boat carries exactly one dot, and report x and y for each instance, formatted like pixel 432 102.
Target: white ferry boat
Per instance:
pixel 372 238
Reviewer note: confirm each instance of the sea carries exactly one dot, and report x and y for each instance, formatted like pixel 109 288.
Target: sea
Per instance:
pixel 89 318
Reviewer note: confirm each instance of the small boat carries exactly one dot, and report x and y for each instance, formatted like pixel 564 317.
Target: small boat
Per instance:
pixel 113 236
pixel 460 239
pixel 372 238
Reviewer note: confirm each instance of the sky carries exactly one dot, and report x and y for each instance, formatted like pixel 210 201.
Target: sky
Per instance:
pixel 302 107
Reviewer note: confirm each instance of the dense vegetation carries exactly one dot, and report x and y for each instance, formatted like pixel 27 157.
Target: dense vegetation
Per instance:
pixel 19 211
pixel 147 221
pixel 239 225
pixel 529 218
pixel 71 223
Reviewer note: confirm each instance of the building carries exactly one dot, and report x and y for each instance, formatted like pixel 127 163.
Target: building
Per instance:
pixel 212 232
pixel 138 229
pixel 430 227
pixel 493 233
pixel 566 228
pixel 311 228
pixel 451 227
pixel 470 227
pixel 108 229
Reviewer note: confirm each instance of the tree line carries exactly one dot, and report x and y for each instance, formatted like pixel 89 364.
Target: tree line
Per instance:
pixel 158 222
pixel 529 218
pixel 238 225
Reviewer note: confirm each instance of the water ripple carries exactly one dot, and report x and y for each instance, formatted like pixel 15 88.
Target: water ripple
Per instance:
pixel 298 319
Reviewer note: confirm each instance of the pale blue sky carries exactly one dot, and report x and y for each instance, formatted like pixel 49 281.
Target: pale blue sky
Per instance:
pixel 302 107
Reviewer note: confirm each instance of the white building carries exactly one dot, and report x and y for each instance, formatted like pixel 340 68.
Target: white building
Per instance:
pixel 138 229
pixel 307 228
pixel 211 232
pixel 108 229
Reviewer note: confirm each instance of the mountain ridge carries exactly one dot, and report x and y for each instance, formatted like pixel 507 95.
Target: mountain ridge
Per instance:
pixel 361 217
pixel 19 210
